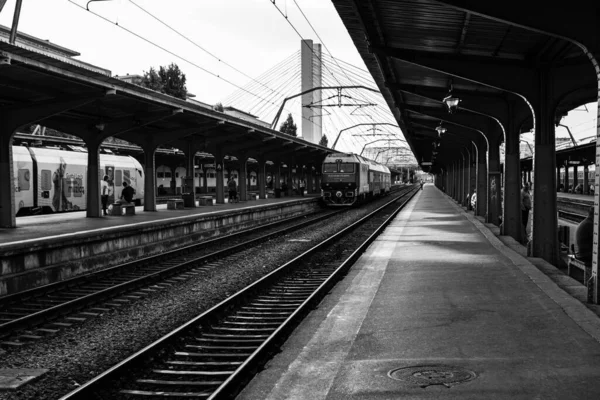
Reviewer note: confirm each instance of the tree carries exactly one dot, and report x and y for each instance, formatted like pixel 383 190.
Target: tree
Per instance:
pixel 174 81
pixel 169 80
pixel 324 141
pixel 152 80
pixel 288 127
pixel 219 107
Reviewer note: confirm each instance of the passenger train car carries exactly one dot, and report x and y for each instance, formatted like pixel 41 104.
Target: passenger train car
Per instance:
pixel 570 184
pixel 169 182
pixel 53 180
pixel 349 179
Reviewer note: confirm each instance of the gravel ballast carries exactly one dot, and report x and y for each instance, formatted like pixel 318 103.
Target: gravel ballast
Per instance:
pixel 75 355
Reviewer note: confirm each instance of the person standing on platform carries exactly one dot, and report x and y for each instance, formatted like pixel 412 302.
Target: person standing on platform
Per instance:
pixel 302 185
pixel 232 189
pixel 104 192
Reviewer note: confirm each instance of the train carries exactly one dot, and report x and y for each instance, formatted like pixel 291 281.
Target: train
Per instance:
pixel 48 180
pixel 169 182
pixel 591 179
pixel 350 179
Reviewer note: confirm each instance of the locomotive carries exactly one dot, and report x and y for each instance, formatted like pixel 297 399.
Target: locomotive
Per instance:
pixel 349 179
pixel 52 180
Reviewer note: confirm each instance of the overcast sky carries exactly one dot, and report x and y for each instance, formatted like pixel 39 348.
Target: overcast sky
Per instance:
pixel 250 35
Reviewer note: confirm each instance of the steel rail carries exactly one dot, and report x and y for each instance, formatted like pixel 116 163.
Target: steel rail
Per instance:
pixel 232 383
pixel 90 299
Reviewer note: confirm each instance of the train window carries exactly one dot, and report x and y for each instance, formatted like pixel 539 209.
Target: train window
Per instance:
pixel 46 179
pixel 329 168
pixel 160 174
pixel 118 177
pixel 127 176
pixel 24 179
pixel 77 187
pixel 345 167
pixel 167 174
pixel 176 174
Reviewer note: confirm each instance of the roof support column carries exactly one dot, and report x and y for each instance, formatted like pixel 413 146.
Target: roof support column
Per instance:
pixel 494 205
pixel 190 179
pixel 277 175
pixel 455 180
pixel 218 154
pixel 544 226
pixel 261 177
pixel 243 176
pixel 472 173
pixel 566 180
pixel 7 189
pixel 150 177
pixel 466 176
pixel 585 179
pixel 461 174
pixel 93 205
pixel 593 284
pixel 511 219
pixel 290 177
pixel 482 179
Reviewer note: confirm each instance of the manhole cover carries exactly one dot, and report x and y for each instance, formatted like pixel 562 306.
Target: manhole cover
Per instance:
pixel 427 375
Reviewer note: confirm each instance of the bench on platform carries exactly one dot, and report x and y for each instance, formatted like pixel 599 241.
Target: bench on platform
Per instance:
pixel 576 268
pixel 205 200
pixel 117 209
pixel 175 204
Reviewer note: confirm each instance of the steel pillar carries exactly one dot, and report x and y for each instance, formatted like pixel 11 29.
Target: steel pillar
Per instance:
pixel 482 179
pixel 544 212
pixel 150 178
pixel 218 154
pixel 7 188
pixel 261 177
pixel 243 177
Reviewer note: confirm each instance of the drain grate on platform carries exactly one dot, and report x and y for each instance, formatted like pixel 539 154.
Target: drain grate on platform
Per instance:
pixel 428 375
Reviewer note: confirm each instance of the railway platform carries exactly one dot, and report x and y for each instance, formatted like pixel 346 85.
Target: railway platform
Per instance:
pixel 440 307
pixel 48 248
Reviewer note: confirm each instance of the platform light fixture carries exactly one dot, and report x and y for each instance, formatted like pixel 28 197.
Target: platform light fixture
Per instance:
pixel 440 129
pixel 451 101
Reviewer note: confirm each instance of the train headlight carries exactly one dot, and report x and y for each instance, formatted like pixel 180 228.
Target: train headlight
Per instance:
pixel 338 194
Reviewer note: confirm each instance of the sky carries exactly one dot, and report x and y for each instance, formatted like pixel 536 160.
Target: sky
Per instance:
pixel 252 36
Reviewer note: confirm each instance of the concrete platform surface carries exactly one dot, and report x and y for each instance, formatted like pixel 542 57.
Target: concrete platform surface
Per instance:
pixel 75 223
pixel 439 308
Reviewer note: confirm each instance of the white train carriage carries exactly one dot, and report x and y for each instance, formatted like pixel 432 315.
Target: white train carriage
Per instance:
pixel 349 179
pixel 53 180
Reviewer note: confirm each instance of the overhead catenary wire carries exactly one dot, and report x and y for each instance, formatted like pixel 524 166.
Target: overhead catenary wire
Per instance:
pixel 219 59
pixel 300 35
pixel 166 50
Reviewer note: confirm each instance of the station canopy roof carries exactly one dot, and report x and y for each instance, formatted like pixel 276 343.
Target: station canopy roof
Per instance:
pixel 106 106
pixel 400 41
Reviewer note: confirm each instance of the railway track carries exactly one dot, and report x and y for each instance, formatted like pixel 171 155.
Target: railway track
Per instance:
pixel 67 299
pixel 214 355
pixel 33 314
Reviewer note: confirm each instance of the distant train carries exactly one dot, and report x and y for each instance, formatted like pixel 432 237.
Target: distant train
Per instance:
pixel 52 180
pixel 172 182
pixel 349 179
pixel 570 184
